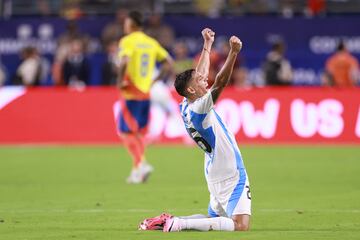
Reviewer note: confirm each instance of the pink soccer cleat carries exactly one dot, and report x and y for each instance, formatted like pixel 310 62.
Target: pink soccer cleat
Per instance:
pixel 172 224
pixel 155 223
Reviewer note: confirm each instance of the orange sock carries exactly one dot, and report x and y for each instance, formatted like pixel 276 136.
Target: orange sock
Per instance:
pixel 141 145
pixel 134 147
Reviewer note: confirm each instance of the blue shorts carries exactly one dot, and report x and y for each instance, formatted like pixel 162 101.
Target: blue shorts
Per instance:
pixel 134 116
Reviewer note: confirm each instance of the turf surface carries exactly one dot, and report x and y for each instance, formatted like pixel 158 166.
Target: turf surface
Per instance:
pixel 80 193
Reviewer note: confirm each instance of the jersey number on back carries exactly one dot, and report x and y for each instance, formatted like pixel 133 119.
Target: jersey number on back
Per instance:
pixel 144 64
pixel 200 141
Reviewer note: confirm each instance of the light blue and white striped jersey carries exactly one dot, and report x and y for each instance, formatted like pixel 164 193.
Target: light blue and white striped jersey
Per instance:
pixel 222 155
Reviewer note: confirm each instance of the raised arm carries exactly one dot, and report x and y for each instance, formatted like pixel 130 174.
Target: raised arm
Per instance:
pixel 203 65
pixel 222 78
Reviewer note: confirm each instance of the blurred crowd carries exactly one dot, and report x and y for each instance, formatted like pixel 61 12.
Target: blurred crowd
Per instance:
pixel 211 8
pixel 71 65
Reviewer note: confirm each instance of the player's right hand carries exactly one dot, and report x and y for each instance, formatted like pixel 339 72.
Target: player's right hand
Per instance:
pixel 235 44
pixel 208 34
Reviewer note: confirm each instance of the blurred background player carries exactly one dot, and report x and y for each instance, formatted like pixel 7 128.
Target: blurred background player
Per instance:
pixel 138 55
pixel 342 68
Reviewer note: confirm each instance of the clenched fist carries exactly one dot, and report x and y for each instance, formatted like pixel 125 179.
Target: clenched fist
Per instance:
pixel 208 34
pixel 235 44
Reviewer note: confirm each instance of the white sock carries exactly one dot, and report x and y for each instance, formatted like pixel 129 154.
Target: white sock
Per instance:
pixel 195 216
pixel 208 224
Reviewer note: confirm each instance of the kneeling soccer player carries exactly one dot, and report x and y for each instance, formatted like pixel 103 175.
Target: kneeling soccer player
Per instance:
pixel 230 202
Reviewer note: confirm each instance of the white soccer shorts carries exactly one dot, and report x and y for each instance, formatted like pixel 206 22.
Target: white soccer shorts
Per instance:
pixel 230 197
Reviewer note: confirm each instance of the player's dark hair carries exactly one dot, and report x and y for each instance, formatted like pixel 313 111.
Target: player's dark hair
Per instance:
pixel 182 80
pixel 137 18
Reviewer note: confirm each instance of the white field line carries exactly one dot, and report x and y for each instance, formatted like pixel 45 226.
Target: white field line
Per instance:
pixel 99 210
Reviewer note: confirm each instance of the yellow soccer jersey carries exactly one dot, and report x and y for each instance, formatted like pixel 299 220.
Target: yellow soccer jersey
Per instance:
pixel 143 52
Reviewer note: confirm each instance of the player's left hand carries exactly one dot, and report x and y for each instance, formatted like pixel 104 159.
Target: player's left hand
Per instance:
pixel 208 34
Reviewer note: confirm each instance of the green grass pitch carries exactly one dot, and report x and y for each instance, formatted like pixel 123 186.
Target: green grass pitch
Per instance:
pixel 298 192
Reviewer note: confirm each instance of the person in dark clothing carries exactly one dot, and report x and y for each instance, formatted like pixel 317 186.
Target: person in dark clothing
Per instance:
pixel 109 68
pixel 277 69
pixel 76 67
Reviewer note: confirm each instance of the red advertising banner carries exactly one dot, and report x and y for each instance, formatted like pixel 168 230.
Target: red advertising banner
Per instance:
pixel 264 115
